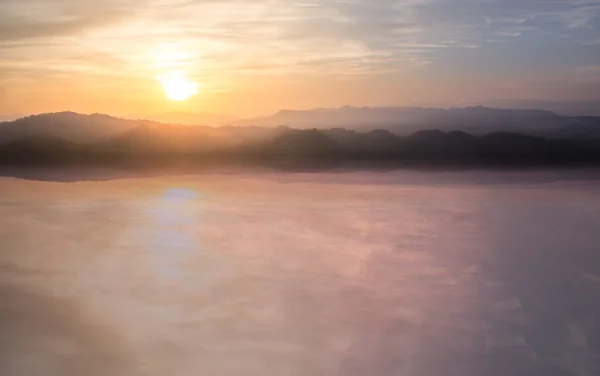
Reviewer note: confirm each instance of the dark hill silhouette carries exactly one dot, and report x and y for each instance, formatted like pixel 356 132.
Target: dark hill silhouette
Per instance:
pixel 97 137
pixel 381 136
pixel 39 149
pixel 302 143
pixel 400 121
pixel 428 136
pixel 68 126
pixel 146 139
pixel 422 147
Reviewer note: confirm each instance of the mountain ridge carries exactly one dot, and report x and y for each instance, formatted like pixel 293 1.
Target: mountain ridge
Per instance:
pixel 156 143
pixel 402 121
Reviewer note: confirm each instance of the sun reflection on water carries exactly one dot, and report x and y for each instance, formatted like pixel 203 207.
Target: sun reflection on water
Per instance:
pixel 172 216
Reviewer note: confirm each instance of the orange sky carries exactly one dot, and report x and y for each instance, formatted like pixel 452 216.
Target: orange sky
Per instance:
pixel 256 57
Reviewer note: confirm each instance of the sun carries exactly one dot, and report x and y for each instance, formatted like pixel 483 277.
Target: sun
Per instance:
pixel 177 87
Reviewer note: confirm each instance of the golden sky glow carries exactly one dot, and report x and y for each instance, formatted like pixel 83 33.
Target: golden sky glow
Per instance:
pixel 177 87
pixel 256 57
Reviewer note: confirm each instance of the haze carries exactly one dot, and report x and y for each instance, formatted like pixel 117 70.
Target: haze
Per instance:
pixel 256 57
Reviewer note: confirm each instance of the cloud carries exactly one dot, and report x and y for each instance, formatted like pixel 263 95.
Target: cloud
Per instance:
pixel 44 19
pixel 222 40
pixel 376 25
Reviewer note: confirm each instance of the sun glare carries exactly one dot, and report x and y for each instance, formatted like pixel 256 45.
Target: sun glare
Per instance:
pixel 177 87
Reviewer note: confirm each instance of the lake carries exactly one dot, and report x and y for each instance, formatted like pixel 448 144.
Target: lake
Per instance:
pixel 417 273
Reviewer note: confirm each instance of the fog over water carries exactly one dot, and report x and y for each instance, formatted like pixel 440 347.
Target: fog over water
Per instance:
pixel 462 273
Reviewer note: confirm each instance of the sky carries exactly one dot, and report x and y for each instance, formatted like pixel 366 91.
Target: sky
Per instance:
pixel 256 57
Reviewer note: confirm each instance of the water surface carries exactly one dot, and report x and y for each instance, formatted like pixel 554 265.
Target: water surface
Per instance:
pixel 358 273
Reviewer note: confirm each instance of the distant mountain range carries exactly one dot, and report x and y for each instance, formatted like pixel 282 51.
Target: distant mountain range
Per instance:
pixel 564 108
pixel 401 121
pixel 406 120
pixel 476 135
